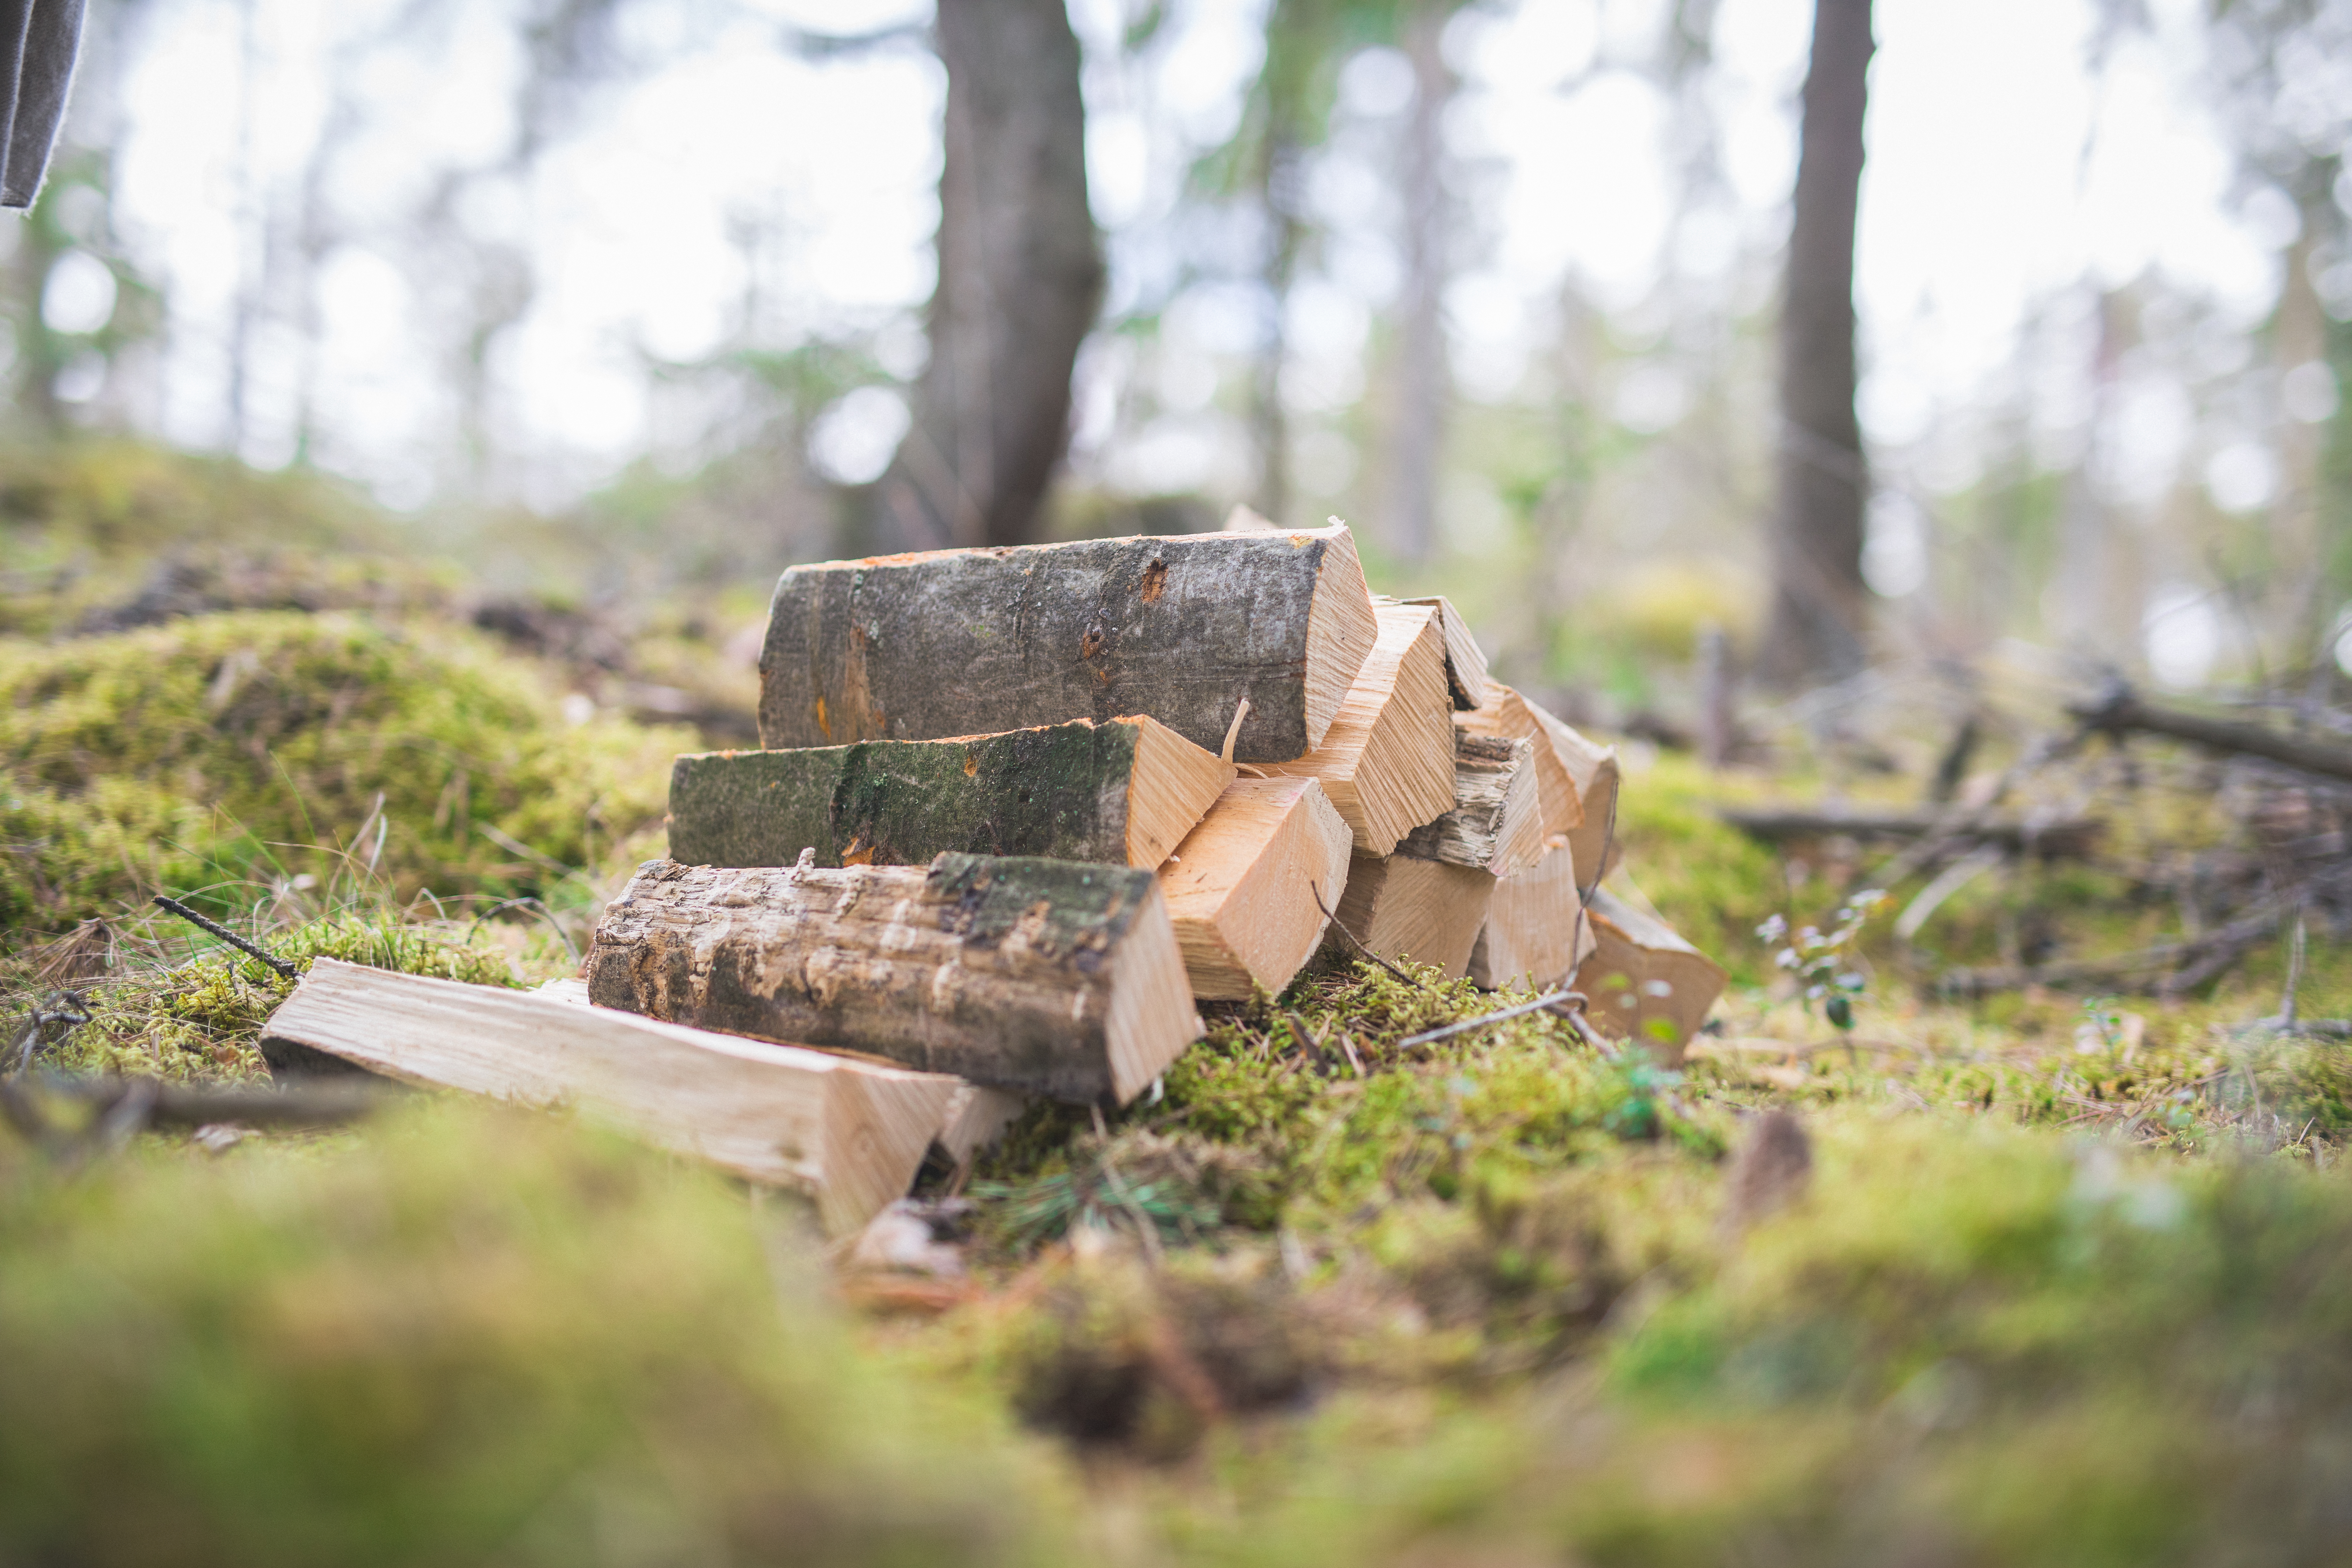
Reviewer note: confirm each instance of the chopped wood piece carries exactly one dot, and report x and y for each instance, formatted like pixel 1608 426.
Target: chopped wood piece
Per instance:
pixel 1388 763
pixel 1576 778
pixel 1242 887
pixel 849 1132
pixel 1048 977
pixel 1534 935
pixel 1465 663
pixel 1122 790
pixel 1497 823
pixel 919 648
pixel 976 1120
pixel 2060 837
pixel 1643 981
pixel 1426 910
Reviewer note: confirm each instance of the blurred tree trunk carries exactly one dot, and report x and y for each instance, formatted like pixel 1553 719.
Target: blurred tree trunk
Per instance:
pixel 1421 351
pixel 1021 273
pixel 1820 608
pixel 1278 181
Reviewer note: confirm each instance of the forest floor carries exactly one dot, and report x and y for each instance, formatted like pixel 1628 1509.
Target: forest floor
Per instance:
pixel 2042 1276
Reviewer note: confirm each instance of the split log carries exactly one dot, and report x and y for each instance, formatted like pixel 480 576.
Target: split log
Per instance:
pixel 1465 662
pixel 1426 910
pixel 1388 763
pixel 1497 823
pixel 850 1133
pixel 2062 838
pixel 1535 933
pixel 1243 887
pixel 1048 977
pixel 1576 778
pixel 1123 791
pixel 1184 629
pixel 1644 981
pixel 2120 712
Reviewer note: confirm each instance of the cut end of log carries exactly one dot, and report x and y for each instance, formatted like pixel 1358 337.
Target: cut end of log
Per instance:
pixel 1242 886
pixel 1173 784
pixel 1388 761
pixel 1533 935
pixel 1426 910
pixel 1465 662
pixel 1644 981
pixel 1341 630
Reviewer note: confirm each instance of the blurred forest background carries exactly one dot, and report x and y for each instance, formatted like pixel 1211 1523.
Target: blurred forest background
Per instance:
pixel 623 302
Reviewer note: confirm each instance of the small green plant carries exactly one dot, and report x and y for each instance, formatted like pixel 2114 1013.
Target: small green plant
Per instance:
pixel 1819 960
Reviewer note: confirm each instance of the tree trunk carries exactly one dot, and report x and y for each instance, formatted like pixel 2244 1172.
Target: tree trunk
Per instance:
pixel 1421 351
pixel 1020 275
pixel 1818 605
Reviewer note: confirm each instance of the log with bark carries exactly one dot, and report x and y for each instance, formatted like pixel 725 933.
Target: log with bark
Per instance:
pixel 850 1133
pixel 1242 888
pixel 1049 977
pixel 1497 823
pixel 1643 981
pixel 1400 906
pixel 1388 761
pixel 2059 839
pixel 1123 791
pixel 1184 629
pixel 1534 933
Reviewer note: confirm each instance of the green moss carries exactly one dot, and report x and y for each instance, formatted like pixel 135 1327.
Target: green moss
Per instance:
pixel 466 1336
pixel 222 750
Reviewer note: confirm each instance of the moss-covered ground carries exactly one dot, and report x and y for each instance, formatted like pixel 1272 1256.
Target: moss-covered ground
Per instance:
pixel 2061 1278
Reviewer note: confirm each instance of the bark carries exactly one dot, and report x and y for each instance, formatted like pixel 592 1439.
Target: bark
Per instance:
pixel 1181 628
pixel 1497 823
pixel 1421 350
pixel 1039 976
pixel 1070 792
pixel 1019 274
pixel 1820 608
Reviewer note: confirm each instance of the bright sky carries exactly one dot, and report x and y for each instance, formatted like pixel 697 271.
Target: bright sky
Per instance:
pixel 740 180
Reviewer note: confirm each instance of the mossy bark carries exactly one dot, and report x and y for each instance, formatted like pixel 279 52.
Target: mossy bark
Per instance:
pixel 956 642
pixel 998 970
pixel 1058 791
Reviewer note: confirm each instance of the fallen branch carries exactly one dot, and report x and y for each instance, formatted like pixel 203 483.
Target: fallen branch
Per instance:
pixel 2068 838
pixel 2118 712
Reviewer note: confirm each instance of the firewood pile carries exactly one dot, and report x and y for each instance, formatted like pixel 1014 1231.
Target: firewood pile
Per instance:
pixel 1019 814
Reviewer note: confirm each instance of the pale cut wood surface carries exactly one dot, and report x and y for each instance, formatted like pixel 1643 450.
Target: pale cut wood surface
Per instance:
pixel 1592 769
pixel 1497 823
pixel 1121 791
pixel 1465 662
pixel 1644 981
pixel 848 1132
pixel 1182 629
pixel 1510 716
pixel 1388 763
pixel 1039 976
pixel 1427 910
pixel 1533 935
pixel 1242 887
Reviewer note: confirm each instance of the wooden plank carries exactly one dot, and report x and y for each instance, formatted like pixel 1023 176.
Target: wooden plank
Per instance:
pixel 1426 910
pixel 1039 976
pixel 1644 981
pixel 1497 823
pixel 1184 629
pixel 1243 887
pixel 1388 763
pixel 1533 936
pixel 1122 790
pixel 1465 662
pixel 851 1133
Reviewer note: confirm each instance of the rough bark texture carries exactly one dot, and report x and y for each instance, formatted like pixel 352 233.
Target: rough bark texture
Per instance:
pixel 919 648
pixel 1497 823
pixel 1019 274
pixel 1819 602
pixel 1040 976
pixel 849 1132
pixel 1061 791
pixel 1644 981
